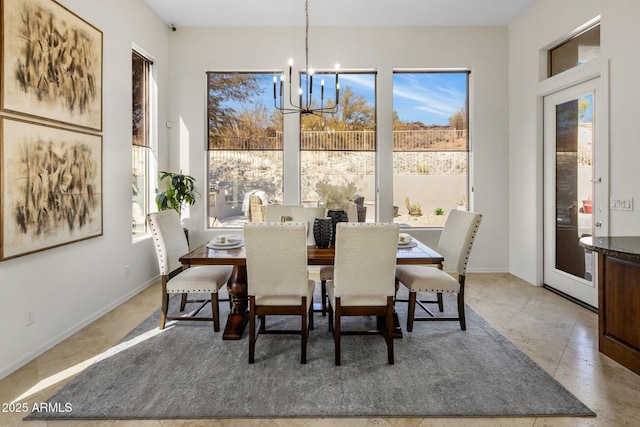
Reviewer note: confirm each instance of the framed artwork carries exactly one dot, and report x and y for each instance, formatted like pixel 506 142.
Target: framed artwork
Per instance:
pixel 51 187
pixel 51 63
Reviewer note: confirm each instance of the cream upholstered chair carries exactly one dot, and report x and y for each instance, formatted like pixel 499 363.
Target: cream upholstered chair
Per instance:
pixel 297 213
pixel 277 278
pixel 171 243
pixel 308 214
pixel 274 213
pixel 455 246
pixel 364 278
pixel 326 271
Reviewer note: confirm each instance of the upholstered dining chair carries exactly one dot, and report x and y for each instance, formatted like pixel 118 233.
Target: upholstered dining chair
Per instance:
pixel 170 243
pixel 274 213
pixel 364 278
pixel 454 245
pixel 326 271
pixel 277 279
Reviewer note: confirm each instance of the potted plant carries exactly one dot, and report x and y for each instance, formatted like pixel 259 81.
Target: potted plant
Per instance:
pixel 461 203
pixel 587 205
pixel 337 199
pixel 180 191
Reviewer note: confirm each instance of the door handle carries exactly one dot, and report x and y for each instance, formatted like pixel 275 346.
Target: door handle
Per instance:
pixel 597 180
pixel 598 224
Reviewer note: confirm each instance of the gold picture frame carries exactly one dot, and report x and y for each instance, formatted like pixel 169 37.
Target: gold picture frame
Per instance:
pixel 51 64
pixel 50 187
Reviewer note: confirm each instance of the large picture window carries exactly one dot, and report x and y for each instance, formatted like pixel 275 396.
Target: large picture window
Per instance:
pixel 340 148
pixel 430 146
pixel 245 147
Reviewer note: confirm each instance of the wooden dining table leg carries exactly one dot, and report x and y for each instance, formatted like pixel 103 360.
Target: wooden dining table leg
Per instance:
pixel 238 316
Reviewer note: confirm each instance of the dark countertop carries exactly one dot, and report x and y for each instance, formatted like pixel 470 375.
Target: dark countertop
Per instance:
pixel 627 247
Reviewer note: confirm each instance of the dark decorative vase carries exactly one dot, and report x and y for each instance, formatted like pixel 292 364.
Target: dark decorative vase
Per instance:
pixel 322 232
pixel 336 217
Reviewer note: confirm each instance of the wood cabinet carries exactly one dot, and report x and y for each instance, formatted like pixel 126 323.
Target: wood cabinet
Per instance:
pixel 618 297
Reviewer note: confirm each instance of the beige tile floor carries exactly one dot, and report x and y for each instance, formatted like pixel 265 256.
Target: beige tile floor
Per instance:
pixel 557 334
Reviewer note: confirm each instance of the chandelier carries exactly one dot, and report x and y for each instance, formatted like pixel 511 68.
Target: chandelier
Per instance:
pixel 305 107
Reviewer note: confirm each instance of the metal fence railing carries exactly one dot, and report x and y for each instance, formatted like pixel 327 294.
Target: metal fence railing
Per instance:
pixel 352 140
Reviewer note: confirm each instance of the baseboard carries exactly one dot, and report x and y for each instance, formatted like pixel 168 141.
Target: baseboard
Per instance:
pixel 47 345
pixel 525 277
pixel 488 270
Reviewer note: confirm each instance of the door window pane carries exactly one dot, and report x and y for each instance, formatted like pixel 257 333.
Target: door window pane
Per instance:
pixel 574 142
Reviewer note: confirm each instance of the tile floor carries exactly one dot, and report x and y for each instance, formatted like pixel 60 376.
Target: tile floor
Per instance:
pixel 559 335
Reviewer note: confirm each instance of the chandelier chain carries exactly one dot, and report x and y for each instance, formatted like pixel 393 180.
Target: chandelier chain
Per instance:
pixel 304 105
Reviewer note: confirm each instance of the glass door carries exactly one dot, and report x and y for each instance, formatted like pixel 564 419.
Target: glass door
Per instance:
pixel 570 190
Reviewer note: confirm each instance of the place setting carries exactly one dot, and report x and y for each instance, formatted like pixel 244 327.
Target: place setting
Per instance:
pixel 406 241
pixel 226 241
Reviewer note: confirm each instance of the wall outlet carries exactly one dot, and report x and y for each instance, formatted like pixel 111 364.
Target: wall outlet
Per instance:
pixel 29 316
pixel 126 270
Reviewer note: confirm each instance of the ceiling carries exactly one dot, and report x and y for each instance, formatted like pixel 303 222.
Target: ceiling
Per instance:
pixel 338 13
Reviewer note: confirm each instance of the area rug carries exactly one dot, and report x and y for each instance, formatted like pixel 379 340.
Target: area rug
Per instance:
pixel 188 371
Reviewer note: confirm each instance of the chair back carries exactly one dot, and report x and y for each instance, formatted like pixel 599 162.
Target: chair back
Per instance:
pixel 298 213
pixel 457 238
pixel 365 259
pixel 276 258
pixel 168 238
pixel 273 213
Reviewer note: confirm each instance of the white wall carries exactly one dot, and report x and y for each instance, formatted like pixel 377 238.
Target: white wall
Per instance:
pixel 70 286
pixel 545 22
pixel 481 49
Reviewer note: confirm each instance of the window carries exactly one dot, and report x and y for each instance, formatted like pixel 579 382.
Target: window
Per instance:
pixel 341 147
pixel 576 51
pixel 430 146
pixel 245 147
pixel 141 139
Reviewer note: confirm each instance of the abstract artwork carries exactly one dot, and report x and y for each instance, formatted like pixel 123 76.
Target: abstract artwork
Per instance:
pixel 52 63
pixel 51 187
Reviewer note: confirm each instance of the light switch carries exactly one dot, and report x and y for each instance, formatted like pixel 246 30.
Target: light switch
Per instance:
pixel 620 204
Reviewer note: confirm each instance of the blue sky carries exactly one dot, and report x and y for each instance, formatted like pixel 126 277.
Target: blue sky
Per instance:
pixel 430 98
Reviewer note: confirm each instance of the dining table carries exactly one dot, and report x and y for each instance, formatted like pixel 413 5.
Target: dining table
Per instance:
pixel 417 253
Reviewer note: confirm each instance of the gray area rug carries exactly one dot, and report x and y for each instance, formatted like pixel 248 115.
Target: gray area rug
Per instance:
pixel 187 371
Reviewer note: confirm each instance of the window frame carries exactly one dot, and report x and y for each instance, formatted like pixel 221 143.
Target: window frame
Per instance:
pixel 211 219
pixel 372 138
pixel 582 33
pixel 468 193
pixel 149 144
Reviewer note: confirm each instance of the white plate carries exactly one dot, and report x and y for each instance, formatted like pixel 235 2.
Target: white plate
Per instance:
pixel 407 245
pixel 235 245
pixel 231 240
